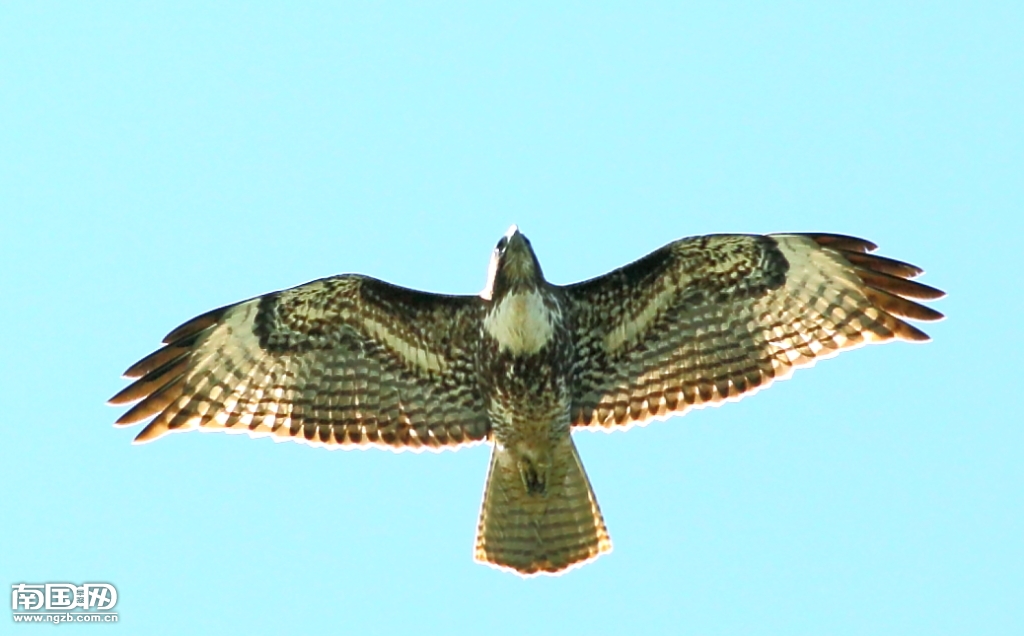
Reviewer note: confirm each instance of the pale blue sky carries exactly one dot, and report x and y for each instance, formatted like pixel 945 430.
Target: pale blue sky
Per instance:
pixel 157 161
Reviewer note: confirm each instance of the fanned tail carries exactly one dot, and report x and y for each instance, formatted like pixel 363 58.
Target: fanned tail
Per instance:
pixel 540 532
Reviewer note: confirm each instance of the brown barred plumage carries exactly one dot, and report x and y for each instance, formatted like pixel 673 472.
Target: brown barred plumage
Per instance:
pixel 698 349
pixel 351 361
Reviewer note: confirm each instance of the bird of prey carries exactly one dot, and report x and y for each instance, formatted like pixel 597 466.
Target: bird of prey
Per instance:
pixel 352 361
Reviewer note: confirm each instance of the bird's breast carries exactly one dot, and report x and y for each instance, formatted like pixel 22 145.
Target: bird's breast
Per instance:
pixel 522 323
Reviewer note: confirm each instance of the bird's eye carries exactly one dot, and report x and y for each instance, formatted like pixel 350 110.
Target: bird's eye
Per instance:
pixel 502 243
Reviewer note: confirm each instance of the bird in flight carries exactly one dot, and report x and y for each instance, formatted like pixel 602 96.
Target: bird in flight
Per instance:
pixel 350 361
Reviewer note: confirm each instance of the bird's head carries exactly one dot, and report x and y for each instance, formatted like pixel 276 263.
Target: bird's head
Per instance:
pixel 513 266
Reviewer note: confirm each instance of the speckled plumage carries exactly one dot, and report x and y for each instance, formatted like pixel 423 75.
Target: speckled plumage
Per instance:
pixel 351 361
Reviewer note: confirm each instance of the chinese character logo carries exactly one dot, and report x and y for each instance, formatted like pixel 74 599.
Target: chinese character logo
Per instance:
pixel 63 597
pixel 27 597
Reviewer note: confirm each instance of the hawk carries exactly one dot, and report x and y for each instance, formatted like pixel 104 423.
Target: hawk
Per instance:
pixel 353 362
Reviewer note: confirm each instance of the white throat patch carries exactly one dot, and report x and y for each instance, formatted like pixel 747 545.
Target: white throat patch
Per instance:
pixel 521 323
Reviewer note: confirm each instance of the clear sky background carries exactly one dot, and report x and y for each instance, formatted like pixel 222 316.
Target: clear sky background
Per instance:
pixel 158 161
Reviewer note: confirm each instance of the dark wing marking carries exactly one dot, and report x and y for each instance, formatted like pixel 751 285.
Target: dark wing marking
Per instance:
pixel 712 318
pixel 343 361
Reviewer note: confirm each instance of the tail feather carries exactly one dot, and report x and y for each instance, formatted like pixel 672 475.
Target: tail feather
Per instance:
pixel 534 533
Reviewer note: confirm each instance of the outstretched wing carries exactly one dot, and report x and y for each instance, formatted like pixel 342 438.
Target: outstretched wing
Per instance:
pixel 712 318
pixel 341 361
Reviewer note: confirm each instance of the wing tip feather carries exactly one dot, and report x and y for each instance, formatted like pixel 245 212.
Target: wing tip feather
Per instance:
pixel 899 306
pixel 151 433
pixel 196 325
pixel 887 284
pixel 841 242
pixel 155 403
pixel 909 333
